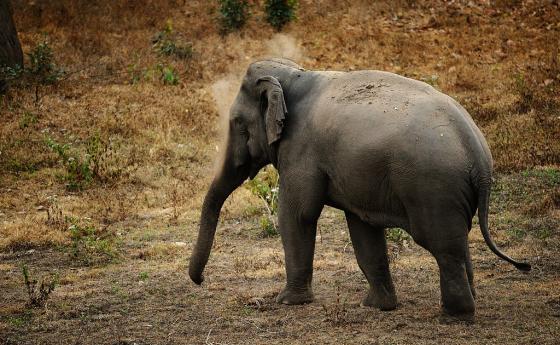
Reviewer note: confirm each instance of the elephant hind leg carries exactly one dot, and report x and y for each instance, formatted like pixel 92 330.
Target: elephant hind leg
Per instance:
pixel 370 247
pixel 443 231
pixel 452 257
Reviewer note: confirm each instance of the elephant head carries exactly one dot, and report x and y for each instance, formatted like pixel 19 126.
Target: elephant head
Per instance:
pixel 255 127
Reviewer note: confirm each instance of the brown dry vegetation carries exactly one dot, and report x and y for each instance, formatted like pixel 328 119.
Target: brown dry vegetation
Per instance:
pixel 120 245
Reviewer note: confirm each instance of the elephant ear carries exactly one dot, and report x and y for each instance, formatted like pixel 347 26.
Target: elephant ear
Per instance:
pixel 276 110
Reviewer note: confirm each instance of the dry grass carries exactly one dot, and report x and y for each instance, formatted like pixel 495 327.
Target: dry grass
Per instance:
pixel 500 61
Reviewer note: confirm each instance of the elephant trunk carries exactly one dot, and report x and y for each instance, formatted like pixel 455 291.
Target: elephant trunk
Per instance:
pixel 220 189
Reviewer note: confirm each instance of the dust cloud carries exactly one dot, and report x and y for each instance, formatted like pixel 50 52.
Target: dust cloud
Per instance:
pixel 284 46
pixel 226 88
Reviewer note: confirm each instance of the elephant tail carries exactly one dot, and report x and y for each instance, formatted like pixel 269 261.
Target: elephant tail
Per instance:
pixel 483 205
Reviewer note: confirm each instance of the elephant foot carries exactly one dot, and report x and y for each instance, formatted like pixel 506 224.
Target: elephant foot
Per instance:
pixel 383 301
pixel 291 297
pixel 461 310
pixel 446 318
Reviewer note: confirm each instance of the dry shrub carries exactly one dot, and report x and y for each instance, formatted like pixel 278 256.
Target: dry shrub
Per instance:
pixel 337 312
pixel 38 291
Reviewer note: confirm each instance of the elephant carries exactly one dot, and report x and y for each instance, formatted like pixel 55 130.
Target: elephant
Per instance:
pixel 387 150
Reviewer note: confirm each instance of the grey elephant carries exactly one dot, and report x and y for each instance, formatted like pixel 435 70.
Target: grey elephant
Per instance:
pixel 387 150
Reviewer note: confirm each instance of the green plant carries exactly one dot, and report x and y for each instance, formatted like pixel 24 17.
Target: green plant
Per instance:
pixel 8 73
pixel 81 169
pixel 165 43
pixel 397 235
pixel 78 172
pixel 168 75
pixel 38 292
pixel 143 276
pixel 88 244
pixel 268 227
pixel 41 69
pixel 233 14
pixel 280 12
pixel 266 187
pixel 41 64
pixel 163 73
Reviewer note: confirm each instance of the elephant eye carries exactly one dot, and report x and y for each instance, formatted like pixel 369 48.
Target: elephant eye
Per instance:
pixel 241 128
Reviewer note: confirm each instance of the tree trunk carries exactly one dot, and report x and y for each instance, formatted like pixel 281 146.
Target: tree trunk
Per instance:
pixel 11 54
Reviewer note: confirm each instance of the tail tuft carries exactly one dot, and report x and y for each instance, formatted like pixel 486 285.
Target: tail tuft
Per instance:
pixel 522 266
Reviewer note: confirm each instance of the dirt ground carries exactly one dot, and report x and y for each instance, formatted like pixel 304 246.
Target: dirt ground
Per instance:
pixel 118 244
pixel 148 299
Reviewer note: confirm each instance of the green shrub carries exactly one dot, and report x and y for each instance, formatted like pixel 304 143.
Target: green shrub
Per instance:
pixel 143 276
pixel 41 64
pixel 78 171
pixel 266 187
pixel 280 12
pixel 168 74
pixel 233 14
pixel 81 169
pixel 8 73
pixel 89 245
pixel 165 43
pixel 268 227
pixel 397 235
pixel 41 68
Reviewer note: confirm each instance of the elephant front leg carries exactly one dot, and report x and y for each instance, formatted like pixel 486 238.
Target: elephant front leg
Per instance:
pixel 298 226
pixel 370 247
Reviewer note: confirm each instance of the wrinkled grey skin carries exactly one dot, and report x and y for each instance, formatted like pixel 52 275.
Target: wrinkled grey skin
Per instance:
pixel 387 150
